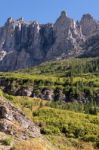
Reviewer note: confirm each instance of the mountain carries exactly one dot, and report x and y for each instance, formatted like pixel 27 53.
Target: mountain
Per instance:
pixel 25 44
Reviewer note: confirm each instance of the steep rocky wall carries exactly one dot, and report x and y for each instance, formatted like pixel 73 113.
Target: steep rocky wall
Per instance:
pixel 24 44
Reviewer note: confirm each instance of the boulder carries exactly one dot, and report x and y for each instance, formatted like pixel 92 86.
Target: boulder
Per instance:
pixel 25 92
pixel 47 94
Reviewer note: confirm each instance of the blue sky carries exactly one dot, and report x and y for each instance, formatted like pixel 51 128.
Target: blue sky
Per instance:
pixel 46 10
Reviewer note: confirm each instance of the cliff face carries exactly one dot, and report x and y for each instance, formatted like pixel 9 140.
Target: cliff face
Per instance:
pixel 24 44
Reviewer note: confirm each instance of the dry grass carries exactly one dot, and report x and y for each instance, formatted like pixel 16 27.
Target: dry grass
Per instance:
pixel 34 144
pixel 29 146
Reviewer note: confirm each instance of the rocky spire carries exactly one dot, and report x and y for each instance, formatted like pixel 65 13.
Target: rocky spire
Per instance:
pixel 9 21
pixel 88 25
pixel 63 22
pixel 87 17
pixel 21 19
pixel 63 14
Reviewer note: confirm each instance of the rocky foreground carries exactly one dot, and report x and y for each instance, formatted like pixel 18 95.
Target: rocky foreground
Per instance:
pixel 17 132
pixel 14 122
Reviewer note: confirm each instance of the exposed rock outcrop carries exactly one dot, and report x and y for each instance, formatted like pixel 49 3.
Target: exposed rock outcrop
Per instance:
pixel 68 38
pixel 92 46
pixel 15 87
pixel 14 122
pixel 89 25
pixel 25 92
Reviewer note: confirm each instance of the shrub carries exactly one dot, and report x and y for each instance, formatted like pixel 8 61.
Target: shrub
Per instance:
pixel 97 144
pixel 7 141
pixel 65 129
pixel 45 131
pixel 35 113
pixel 1 93
pixel 79 132
pixel 90 138
pixel 50 130
pixel 93 111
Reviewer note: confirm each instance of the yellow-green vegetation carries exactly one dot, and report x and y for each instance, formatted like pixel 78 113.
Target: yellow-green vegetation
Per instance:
pixel 77 79
pixel 63 143
pixel 66 67
pixel 18 75
pixel 7 141
pixel 68 126
pixel 27 104
pixel 72 125
pixel 74 128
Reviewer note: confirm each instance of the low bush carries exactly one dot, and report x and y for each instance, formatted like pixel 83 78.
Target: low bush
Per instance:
pixel 90 138
pixel 7 141
pixel 71 124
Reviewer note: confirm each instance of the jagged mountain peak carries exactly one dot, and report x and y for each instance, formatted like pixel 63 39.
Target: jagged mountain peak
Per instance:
pixel 10 20
pixel 63 13
pixel 63 19
pixel 87 16
pixel 21 19
pixel 42 42
pixel 89 25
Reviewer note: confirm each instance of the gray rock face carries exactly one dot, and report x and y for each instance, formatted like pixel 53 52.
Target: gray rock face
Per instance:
pixel 25 44
pixel 25 92
pixel 47 94
pixel 89 25
pixel 92 46
pixel 14 122
pixel 68 37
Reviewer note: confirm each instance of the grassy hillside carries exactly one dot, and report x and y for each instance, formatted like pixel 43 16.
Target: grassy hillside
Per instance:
pixel 67 67
pixel 76 79
pixel 62 128
pixel 68 126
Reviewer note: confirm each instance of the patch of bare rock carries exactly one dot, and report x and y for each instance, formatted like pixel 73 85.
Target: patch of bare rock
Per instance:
pixel 14 122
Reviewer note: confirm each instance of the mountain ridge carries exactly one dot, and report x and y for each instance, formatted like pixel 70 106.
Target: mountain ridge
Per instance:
pixel 38 43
